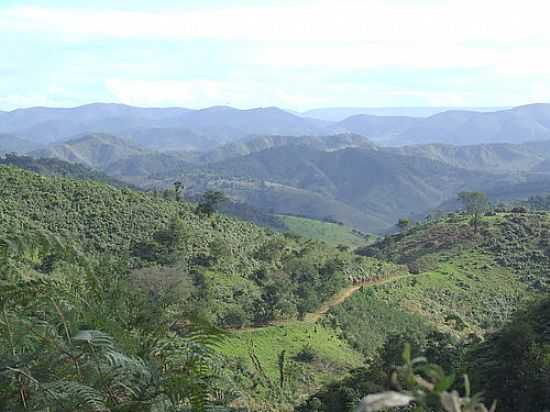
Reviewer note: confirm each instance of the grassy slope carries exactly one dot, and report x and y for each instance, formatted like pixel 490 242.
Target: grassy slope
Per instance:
pixel 334 358
pixel 330 233
pixel 465 286
pixel 467 293
pixel 334 354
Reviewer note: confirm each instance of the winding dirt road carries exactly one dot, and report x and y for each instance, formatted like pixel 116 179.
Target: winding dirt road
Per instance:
pixel 335 300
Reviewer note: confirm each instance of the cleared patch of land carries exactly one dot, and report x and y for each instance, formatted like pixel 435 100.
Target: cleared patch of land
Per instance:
pixel 331 233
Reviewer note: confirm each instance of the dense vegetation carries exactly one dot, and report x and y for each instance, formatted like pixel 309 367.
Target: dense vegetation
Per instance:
pixel 121 282
pixel 237 273
pixel 513 364
pixel 109 296
pixel 539 202
pixel 78 335
pixel 56 167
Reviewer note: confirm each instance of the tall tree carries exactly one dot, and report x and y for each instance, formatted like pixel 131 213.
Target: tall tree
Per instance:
pixel 209 201
pixel 178 186
pixel 403 224
pixel 475 204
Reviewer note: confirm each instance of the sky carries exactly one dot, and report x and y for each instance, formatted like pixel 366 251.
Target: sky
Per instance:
pixel 297 54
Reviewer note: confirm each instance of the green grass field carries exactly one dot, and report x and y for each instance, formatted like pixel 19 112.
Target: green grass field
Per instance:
pixel 467 293
pixel 331 233
pixel 334 356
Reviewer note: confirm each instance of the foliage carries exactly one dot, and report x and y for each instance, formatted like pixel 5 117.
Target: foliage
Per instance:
pixel 513 364
pixel 240 274
pixel 81 338
pixel 426 387
pixel 475 203
pixel 210 200
pixel 256 354
pixel 343 396
pixel 108 294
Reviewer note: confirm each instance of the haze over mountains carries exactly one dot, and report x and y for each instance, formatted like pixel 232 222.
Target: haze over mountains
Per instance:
pixel 342 177
pixel 365 171
pixel 337 114
pixel 185 129
pixel 173 128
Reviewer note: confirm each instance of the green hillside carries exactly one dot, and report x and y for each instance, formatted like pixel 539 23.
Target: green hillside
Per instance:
pixel 155 262
pixel 466 283
pixel 315 355
pixel 133 283
pixel 56 167
pixel 329 232
pixel 237 262
pixel 462 289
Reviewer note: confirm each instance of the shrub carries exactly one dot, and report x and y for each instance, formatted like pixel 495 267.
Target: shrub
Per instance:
pixel 306 355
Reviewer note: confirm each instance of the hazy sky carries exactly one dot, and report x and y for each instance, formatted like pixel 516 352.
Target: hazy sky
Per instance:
pixel 294 54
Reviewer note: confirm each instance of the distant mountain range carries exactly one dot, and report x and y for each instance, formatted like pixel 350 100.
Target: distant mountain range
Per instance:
pixel 161 128
pixel 280 162
pixel 180 129
pixel 517 125
pixel 337 114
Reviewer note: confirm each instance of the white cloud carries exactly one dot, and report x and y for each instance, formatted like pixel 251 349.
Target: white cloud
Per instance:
pixel 514 61
pixel 372 21
pixel 244 93
pixel 510 35
pixel 202 93
pixel 501 41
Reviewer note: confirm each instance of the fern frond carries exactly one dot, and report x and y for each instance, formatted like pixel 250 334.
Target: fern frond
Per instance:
pixel 76 393
pixel 94 338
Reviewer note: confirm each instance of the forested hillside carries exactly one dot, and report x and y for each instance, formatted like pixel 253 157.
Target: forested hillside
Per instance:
pixel 162 267
pixel 107 290
pixel 56 167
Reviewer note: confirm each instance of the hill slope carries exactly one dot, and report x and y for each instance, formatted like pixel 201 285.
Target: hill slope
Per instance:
pixel 12 144
pixel 378 184
pixel 104 219
pixel 463 284
pixel 154 261
pixel 498 157
pixel 94 150
pixel 517 125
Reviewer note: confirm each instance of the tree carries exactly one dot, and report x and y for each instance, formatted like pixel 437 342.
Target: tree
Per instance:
pixel 475 204
pixel 403 224
pixel 178 186
pixel 209 201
